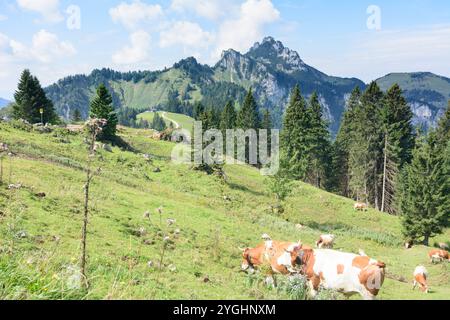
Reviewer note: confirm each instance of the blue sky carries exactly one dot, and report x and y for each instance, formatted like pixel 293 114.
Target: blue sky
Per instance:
pixel 353 38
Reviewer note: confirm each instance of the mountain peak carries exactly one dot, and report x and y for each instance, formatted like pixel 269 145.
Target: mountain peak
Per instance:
pixel 271 51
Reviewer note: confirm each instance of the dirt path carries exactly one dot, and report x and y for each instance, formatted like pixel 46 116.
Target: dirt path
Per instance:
pixel 164 115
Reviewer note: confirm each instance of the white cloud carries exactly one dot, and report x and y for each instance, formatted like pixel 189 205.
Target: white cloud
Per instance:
pixel 3 17
pixel 46 55
pixel 210 9
pixel 45 48
pixel 49 9
pixel 241 33
pixel 375 54
pixel 132 14
pixel 137 52
pixel 185 33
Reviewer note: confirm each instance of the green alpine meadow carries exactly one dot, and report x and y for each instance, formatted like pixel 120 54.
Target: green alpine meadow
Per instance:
pixel 224 157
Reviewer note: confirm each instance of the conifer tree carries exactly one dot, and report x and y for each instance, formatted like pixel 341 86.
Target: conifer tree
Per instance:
pixel 366 148
pixel 198 110
pixel 398 143
pixel 248 119
pixel 30 98
pixel 341 146
pixel 423 201
pixel 443 130
pixel 319 144
pixel 228 117
pixel 158 123
pixel 294 136
pixel 248 116
pixel 102 108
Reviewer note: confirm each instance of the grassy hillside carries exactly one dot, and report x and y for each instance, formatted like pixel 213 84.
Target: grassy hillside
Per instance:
pixel 181 120
pixel 39 237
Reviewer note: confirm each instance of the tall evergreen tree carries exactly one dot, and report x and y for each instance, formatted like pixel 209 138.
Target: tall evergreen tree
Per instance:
pixel 443 130
pixel 228 117
pixel 198 110
pixel 319 144
pixel 366 147
pixel 398 143
pixel 30 98
pixel 102 108
pixel 423 201
pixel 248 119
pixel 248 116
pixel 294 136
pixel 341 146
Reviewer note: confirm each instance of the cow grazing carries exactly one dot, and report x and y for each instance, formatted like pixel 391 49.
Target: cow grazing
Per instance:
pixel 344 272
pixel 438 255
pixel 253 257
pixel 325 241
pixel 420 278
pixel 359 206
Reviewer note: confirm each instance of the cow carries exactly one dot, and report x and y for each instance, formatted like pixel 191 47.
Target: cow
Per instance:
pixel 359 206
pixel 438 255
pixel 279 257
pixel 443 246
pixel 325 241
pixel 252 257
pixel 420 278
pixel 347 273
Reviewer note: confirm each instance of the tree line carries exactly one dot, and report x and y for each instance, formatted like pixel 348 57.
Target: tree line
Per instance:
pixel 378 157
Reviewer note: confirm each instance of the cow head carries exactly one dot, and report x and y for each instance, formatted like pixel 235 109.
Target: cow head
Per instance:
pixel 246 263
pixel 290 258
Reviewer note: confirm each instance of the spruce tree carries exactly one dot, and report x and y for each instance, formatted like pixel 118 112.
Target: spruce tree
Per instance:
pixel 248 119
pixel 248 116
pixel 294 137
pixel 443 130
pixel 198 110
pixel 319 144
pixel 228 117
pixel 30 98
pixel 341 146
pixel 366 148
pixel 102 108
pixel 398 143
pixel 423 201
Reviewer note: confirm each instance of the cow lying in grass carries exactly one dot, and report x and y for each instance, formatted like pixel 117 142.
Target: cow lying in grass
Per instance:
pixel 347 273
pixel 344 272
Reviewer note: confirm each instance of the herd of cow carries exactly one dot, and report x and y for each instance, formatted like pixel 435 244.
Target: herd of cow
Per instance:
pixel 325 268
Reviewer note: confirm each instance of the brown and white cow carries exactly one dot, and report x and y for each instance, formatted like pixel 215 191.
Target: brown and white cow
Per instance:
pixel 438 255
pixel 253 257
pixel 344 272
pixel 360 206
pixel 325 241
pixel 420 278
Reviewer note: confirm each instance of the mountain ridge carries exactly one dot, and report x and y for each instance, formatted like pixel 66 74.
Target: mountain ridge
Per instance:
pixel 4 102
pixel 268 67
